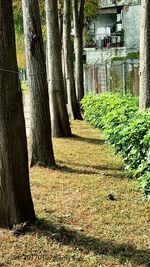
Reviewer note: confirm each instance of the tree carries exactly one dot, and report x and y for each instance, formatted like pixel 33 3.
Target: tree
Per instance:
pixel 41 145
pixel 73 105
pixel 78 19
pixel 60 17
pixel 15 197
pixel 59 116
pixel 144 95
pixel 18 16
pixel 82 9
pixel 91 8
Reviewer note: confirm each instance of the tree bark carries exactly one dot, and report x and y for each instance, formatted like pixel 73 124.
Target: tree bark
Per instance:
pixel 60 22
pixel 144 95
pixel 59 116
pixel 78 17
pixel 41 144
pixel 15 197
pixel 73 105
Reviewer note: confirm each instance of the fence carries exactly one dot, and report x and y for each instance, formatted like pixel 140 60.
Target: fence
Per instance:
pixel 108 77
pixel 22 74
pixel 111 77
pixel 99 41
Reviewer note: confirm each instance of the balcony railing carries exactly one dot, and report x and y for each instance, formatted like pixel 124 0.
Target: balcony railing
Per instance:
pixel 110 3
pixel 100 41
pixel 107 3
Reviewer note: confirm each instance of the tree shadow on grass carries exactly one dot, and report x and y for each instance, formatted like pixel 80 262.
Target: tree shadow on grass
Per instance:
pixel 96 167
pixel 67 169
pixel 78 239
pixel 97 141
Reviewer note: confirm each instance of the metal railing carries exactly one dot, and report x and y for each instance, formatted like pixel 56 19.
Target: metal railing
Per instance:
pixel 23 74
pixel 99 41
pixel 109 3
pixel 121 76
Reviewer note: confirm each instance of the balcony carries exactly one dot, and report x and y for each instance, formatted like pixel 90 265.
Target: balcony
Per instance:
pixel 103 41
pixel 112 3
pixel 107 3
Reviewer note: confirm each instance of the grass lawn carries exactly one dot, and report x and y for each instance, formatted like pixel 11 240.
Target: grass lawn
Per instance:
pixel 25 87
pixel 78 224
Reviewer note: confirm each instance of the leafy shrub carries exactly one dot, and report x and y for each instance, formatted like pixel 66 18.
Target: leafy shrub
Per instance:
pixel 125 127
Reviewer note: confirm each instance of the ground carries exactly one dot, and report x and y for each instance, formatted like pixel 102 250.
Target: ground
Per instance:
pixel 77 222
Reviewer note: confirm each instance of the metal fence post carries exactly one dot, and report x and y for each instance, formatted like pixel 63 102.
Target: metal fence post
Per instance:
pixel 123 78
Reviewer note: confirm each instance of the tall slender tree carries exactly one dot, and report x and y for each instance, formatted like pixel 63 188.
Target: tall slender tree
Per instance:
pixel 73 105
pixel 41 144
pixel 78 19
pixel 15 197
pixel 60 17
pixel 144 95
pixel 59 116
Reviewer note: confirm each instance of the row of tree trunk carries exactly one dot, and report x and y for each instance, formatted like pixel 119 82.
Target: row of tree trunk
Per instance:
pixel 41 145
pixel 15 196
pixel 46 90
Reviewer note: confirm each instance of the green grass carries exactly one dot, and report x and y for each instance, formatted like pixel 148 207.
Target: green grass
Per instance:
pixel 25 86
pixel 77 224
pixel 20 52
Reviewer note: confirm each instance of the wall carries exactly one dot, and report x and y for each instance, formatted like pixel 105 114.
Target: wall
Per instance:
pixel 104 20
pixel 131 25
pixel 102 55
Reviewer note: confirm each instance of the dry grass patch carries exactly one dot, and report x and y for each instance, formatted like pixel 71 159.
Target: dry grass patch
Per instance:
pixel 78 225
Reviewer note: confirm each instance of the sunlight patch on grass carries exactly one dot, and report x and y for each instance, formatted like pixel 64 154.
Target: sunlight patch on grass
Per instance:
pixel 25 86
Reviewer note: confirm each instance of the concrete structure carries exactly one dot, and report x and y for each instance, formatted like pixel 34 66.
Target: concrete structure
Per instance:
pixel 114 35
pixel 115 31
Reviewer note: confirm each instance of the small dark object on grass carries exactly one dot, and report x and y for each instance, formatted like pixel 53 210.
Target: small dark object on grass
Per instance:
pixel 147 193
pixel 20 229
pixel 111 197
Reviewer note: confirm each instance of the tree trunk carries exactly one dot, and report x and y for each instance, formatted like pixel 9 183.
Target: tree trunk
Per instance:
pixel 60 22
pixel 78 16
pixel 144 96
pixel 73 105
pixel 15 197
pixel 59 116
pixel 41 144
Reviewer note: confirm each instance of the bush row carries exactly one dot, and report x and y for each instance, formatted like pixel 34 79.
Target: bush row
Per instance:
pixel 125 127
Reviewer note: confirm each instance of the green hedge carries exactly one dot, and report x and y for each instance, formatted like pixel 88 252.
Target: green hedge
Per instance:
pixel 125 127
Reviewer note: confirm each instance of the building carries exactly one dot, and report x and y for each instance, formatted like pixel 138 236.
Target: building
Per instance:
pixel 113 34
